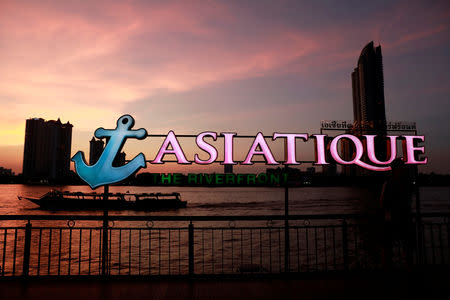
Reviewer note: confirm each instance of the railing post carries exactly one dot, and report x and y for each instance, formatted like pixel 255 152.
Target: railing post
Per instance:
pixel 345 244
pixel 26 249
pixel 105 232
pixel 191 248
pixel 286 228
pixel 419 228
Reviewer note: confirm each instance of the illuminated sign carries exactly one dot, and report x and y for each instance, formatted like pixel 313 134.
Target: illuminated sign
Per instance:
pixel 102 172
pixel 347 125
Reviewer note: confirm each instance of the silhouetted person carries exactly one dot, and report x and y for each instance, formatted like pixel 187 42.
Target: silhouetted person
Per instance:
pixel 395 203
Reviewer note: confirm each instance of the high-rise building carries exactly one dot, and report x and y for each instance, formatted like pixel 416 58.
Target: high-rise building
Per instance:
pixel 95 150
pixel 119 160
pixel 368 90
pixel 46 154
pixel 368 106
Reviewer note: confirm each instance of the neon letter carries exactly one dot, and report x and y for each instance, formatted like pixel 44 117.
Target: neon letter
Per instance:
pixel 371 149
pixel 320 149
pixel 228 145
pixel 410 149
pixel 176 149
pixel 265 150
pixel 359 153
pixel 289 146
pixel 206 147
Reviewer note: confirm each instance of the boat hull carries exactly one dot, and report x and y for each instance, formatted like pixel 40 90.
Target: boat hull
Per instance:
pixel 149 204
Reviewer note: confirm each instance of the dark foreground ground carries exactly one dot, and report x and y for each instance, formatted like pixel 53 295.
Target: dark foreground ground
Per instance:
pixel 421 285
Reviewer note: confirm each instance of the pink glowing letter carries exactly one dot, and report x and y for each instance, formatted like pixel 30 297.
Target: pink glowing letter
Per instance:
pixel 206 147
pixel 371 149
pixel 228 145
pixel 410 149
pixel 176 149
pixel 320 149
pixel 265 150
pixel 359 153
pixel 290 148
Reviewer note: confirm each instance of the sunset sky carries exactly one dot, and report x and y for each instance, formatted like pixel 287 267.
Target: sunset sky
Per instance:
pixel 193 66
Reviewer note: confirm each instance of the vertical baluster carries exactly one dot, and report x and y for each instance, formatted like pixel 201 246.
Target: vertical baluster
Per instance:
pixel 334 247
pixel 100 251
pixel 70 249
pixel 232 250
pixel 279 250
pixel 441 247
pixel 169 252
pixel 15 248
pixel 39 251
pixel 222 250
pixel 298 252
pixel 316 247
pixel 159 251
pixel 5 233
pixel 27 248
pixel 212 248
pixel 325 247
pixel 120 249
pixel 355 235
pixel 191 248
pixel 90 249
pixel 307 248
pixel 260 249
pixel 129 252
pixel 109 263
pixel 79 253
pixel 49 251
pixel 433 253
pixel 149 251
pixel 242 251
pixel 345 244
pixel 179 251
pixel 139 262
pixel 270 249
pixel 251 250
pixel 424 244
pixel 203 251
pixel 59 251
pixel 448 238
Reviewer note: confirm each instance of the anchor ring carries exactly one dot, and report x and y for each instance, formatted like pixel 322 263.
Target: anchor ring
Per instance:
pixel 270 223
pixel 71 223
pixel 232 224
pixel 306 222
pixel 111 223
pixel 149 224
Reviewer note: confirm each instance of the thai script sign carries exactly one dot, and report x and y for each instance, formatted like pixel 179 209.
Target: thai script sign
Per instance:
pixel 347 125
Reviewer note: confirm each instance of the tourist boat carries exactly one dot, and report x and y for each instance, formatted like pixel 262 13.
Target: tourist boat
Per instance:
pixel 57 200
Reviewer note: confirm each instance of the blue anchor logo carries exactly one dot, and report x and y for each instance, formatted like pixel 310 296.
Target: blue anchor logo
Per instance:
pixel 102 172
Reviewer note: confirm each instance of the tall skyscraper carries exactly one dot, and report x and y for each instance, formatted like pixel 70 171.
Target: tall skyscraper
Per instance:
pixel 368 105
pixel 95 150
pixel 46 154
pixel 368 90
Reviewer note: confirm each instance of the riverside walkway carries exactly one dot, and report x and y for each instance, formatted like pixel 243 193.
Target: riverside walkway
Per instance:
pixel 397 285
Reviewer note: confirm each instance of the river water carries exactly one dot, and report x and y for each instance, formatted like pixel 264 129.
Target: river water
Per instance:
pixel 234 201
pixel 150 248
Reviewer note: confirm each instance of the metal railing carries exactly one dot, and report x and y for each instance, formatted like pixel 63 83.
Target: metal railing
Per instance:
pixel 59 245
